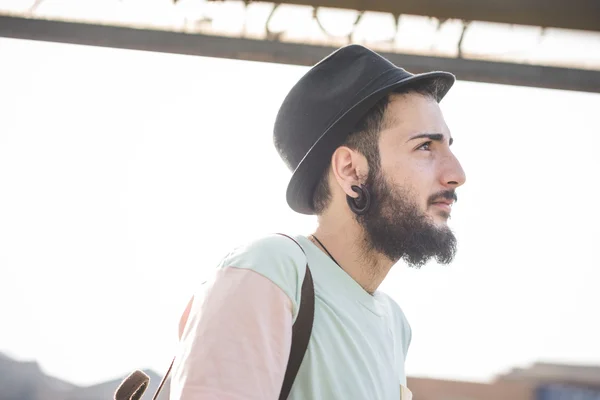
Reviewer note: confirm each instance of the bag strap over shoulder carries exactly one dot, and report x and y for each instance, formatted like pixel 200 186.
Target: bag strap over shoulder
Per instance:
pixel 134 385
pixel 301 330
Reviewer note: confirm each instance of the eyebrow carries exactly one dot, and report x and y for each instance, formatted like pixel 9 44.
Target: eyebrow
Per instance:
pixel 436 137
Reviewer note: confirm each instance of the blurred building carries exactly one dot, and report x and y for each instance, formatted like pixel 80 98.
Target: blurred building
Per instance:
pixel 435 389
pixel 24 380
pixel 559 381
pixel 539 382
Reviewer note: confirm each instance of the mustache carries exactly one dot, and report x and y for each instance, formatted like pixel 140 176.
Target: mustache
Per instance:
pixel 444 194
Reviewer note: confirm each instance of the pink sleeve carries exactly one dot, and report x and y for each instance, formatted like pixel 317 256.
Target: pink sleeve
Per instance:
pixel 236 342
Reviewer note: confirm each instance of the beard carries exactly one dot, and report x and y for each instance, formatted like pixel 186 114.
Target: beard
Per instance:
pixel 396 227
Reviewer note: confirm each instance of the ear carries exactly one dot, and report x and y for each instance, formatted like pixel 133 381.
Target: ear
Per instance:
pixel 349 167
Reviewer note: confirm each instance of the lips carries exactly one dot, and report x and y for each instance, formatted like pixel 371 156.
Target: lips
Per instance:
pixel 444 202
pixel 444 205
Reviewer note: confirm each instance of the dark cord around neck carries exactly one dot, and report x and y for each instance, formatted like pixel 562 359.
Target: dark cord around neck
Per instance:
pixel 326 251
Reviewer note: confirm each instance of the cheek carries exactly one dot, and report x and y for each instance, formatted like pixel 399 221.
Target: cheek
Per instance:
pixel 415 172
pixel 414 177
pixel 412 180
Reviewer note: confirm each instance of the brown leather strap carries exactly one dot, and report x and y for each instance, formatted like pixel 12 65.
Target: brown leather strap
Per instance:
pixel 133 387
pixel 301 332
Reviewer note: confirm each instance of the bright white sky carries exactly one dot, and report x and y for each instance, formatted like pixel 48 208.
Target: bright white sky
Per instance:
pixel 125 176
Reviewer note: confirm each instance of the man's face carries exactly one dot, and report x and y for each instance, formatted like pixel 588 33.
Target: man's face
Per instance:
pixel 414 187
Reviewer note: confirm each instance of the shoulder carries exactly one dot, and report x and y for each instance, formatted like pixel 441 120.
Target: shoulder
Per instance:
pixel 269 255
pixel 275 257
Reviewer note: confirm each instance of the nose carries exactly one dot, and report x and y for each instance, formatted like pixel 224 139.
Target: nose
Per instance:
pixel 453 174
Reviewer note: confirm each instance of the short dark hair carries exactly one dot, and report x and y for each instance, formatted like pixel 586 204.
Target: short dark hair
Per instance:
pixel 364 138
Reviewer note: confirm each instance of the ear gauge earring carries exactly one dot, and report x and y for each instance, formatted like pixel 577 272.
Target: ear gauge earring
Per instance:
pixel 359 205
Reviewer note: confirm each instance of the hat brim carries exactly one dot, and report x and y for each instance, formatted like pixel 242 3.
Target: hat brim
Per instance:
pixel 306 175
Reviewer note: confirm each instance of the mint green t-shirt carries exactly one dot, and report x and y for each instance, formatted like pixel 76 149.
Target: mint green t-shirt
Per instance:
pixel 359 341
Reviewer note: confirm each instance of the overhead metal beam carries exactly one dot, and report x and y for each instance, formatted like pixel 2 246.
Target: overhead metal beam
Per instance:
pixel 288 53
pixel 565 14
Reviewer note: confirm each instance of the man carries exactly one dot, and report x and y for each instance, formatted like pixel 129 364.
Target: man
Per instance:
pixel 370 155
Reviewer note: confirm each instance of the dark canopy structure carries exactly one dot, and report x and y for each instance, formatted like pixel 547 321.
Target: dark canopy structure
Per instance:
pixel 580 15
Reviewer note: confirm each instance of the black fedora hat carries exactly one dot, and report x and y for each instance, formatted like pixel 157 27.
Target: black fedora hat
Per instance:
pixel 325 105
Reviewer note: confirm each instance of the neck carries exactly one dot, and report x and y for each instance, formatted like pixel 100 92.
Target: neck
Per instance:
pixel 346 241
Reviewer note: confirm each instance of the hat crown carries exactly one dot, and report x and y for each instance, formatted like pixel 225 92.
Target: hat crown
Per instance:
pixel 325 92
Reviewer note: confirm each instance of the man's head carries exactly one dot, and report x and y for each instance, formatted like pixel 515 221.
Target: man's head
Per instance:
pixel 400 151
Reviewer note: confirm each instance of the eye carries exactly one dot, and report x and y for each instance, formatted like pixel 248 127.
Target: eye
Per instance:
pixel 425 146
